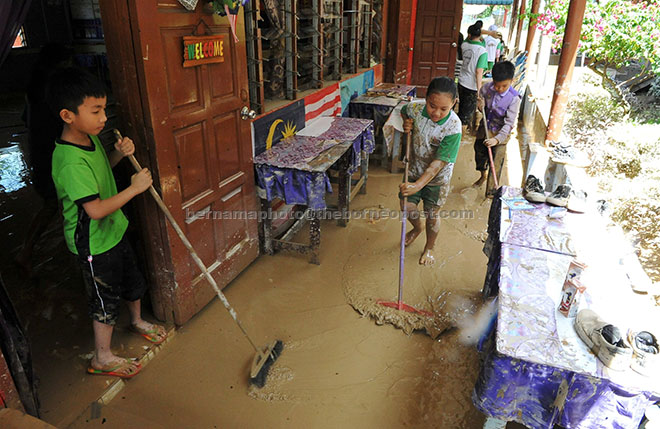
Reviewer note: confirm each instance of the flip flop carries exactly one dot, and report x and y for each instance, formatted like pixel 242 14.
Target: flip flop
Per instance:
pixel 157 334
pixel 122 370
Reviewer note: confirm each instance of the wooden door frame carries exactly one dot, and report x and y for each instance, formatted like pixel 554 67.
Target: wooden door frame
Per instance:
pixel 453 52
pixel 129 89
pixel 398 41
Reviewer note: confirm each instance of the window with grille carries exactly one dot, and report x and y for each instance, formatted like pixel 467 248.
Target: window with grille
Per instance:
pixel 295 46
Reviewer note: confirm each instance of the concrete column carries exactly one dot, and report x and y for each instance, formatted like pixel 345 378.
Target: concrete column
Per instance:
pixel 565 69
pixel 544 60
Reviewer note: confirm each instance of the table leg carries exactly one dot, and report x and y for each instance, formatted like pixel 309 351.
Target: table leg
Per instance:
pixel 267 227
pixel 396 147
pixel 314 238
pixel 343 195
pixel 364 170
pixel 383 159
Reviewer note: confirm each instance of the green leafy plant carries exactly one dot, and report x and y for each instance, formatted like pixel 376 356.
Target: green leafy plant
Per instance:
pixel 614 33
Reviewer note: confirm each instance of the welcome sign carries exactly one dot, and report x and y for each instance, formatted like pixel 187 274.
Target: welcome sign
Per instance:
pixel 198 50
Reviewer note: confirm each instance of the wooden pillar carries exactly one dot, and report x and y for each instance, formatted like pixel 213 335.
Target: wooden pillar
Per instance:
pixel 504 18
pixel 532 28
pixel 411 43
pixel 523 3
pixel 514 21
pixel 565 69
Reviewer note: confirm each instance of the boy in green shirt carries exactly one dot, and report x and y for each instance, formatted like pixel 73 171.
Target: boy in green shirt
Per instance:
pixel 436 138
pixel 94 224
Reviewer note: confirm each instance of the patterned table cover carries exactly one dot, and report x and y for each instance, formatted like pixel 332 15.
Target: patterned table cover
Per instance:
pixel 394 125
pixel 537 371
pixel 375 107
pixel 393 90
pixel 295 168
pixel 388 103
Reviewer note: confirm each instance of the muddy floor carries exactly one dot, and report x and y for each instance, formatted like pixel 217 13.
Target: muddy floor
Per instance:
pixel 339 368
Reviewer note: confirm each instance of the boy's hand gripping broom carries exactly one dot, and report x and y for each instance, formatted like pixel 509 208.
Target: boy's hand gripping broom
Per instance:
pixel 399 305
pixel 265 357
pixel 490 152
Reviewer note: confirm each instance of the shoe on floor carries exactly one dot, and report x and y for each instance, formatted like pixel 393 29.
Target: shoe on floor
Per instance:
pixel 577 201
pixel 559 197
pixel 533 190
pixel 604 340
pixel 646 356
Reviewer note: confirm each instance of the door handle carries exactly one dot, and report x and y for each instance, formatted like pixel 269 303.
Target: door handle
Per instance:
pixel 247 113
pixel 453 45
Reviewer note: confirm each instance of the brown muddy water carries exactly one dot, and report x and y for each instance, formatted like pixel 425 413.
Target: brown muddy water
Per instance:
pixel 340 367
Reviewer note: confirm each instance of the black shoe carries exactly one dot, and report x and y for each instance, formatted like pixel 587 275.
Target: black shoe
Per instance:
pixel 533 190
pixel 559 197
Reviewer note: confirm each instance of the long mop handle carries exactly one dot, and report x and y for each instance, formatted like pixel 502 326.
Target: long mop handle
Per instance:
pixel 490 152
pixel 403 224
pixel 196 258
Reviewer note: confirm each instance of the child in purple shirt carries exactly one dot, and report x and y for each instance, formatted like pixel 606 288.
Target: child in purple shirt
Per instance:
pixel 501 105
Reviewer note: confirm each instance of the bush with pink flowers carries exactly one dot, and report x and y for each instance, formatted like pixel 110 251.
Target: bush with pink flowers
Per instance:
pixel 614 32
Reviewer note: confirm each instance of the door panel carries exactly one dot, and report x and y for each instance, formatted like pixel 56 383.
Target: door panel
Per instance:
pixel 438 23
pixel 203 148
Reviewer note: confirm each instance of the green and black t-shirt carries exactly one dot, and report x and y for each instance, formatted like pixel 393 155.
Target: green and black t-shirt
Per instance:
pixel 83 174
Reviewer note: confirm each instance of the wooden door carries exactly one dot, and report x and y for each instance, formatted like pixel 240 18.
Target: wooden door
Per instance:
pixel 436 38
pixel 199 148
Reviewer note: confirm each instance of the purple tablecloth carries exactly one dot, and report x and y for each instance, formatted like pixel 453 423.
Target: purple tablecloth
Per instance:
pixel 295 168
pixel 536 370
pixel 540 396
pixel 358 131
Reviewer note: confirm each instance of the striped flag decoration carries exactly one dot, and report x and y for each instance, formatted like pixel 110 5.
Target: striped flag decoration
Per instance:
pixel 326 102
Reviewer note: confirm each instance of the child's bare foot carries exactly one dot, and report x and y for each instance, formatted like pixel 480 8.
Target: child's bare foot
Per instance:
pixel 427 258
pixel 412 235
pixel 152 332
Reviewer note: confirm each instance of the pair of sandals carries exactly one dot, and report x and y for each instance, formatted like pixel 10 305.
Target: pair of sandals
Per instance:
pixel 128 368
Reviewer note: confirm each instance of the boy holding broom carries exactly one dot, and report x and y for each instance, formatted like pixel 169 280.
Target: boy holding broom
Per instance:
pixel 94 225
pixel 501 103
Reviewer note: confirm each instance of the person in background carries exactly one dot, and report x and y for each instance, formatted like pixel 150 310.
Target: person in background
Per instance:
pixel 479 23
pixel 492 44
pixel 475 61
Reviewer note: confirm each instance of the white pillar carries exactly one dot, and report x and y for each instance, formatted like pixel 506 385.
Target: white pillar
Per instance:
pixel 544 60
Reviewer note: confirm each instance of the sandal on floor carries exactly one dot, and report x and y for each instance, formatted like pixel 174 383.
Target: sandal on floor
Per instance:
pixel 125 369
pixel 157 334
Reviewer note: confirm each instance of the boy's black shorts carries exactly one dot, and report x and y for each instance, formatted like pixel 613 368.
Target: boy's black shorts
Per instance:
pixel 110 277
pixel 481 154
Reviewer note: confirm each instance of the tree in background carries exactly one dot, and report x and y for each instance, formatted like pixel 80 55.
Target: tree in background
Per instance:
pixel 614 34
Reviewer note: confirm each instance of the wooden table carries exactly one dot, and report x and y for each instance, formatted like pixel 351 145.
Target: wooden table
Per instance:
pixel 296 170
pixel 535 369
